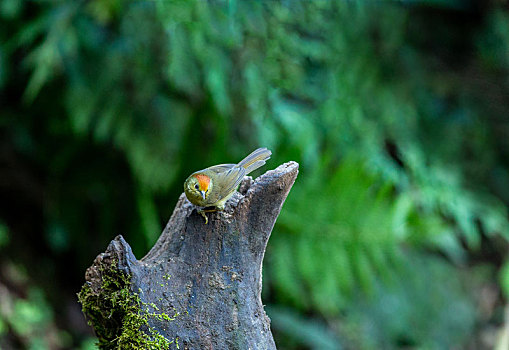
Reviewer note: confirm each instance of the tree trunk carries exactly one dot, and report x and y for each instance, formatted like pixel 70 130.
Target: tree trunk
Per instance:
pixel 200 285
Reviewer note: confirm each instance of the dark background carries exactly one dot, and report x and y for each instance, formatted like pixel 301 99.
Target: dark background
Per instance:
pixel 395 234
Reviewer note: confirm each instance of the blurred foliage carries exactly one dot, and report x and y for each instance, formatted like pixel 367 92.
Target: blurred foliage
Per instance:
pixel 396 111
pixel 26 321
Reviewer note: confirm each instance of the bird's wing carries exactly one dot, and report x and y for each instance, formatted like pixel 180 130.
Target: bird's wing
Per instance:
pixel 221 168
pixel 230 179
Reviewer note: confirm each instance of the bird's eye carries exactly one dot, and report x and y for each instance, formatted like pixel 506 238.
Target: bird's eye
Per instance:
pixel 197 186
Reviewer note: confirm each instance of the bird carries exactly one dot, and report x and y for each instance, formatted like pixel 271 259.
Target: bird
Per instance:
pixel 211 187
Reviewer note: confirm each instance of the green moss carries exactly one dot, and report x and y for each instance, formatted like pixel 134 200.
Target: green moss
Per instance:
pixel 118 316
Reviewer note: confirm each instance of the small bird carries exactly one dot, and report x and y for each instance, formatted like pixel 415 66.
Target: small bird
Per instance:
pixel 213 186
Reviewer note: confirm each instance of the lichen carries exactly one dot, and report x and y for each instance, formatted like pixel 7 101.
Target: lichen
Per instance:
pixel 120 319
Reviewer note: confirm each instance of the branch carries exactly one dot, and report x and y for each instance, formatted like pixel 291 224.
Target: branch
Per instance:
pixel 200 285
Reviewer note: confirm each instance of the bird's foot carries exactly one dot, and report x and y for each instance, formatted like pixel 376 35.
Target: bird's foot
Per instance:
pixel 203 212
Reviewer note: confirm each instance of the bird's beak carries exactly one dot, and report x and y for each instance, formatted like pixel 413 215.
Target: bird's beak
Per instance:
pixel 202 194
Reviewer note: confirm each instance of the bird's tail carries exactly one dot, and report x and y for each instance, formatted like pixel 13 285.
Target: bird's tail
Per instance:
pixel 255 160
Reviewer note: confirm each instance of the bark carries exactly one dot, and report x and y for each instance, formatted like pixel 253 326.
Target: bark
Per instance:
pixel 205 280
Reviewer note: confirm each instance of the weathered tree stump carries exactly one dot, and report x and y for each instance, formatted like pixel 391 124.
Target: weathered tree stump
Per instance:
pixel 200 285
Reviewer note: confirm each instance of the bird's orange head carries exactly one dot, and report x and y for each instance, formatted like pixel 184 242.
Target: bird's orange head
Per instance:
pixel 203 182
pixel 197 188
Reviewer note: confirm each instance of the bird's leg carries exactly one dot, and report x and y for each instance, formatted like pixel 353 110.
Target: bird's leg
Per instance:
pixel 205 210
pixel 202 213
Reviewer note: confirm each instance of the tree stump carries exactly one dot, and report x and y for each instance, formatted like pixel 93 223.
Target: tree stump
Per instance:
pixel 200 286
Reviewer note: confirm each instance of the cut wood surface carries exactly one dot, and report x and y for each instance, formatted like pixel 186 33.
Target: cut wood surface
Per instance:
pixel 200 284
